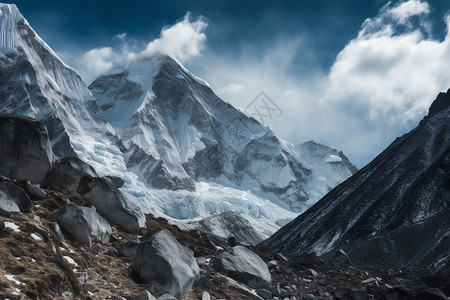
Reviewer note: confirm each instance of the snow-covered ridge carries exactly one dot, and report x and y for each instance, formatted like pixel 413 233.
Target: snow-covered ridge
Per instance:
pixel 11 38
pixel 185 133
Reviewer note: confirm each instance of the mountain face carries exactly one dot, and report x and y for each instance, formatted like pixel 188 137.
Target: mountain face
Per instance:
pixel 34 82
pixel 181 151
pixel 393 211
pixel 177 132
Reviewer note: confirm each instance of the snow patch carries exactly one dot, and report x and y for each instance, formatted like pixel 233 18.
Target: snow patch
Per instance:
pixel 70 260
pixel 333 159
pixel 13 226
pixel 36 237
pixel 11 278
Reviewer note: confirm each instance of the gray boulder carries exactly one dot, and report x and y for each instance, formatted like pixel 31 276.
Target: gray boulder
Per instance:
pixel 83 224
pixel 17 194
pixel 7 205
pixel 244 266
pixel 228 225
pixel 166 264
pixel 206 296
pixel 25 149
pixel 112 203
pixel 34 191
pixel 67 172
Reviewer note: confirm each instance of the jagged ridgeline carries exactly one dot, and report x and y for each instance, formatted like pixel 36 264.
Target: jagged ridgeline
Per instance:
pixel 394 211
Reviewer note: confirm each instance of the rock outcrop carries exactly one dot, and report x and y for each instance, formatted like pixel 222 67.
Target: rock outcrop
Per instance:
pixel 7 205
pixel 83 224
pixel 67 172
pixel 228 225
pixel 244 266
pixel 25 149
pixel 17 194
pixel 166 264
pixel 112 203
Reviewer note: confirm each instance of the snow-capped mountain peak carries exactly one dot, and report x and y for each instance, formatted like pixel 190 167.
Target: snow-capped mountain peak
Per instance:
pixel 174 122
pixel 181 150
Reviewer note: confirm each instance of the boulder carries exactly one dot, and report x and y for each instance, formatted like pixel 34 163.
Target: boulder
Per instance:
pixel 17 194
pixel 66 174
pixel 207 284
pixel 34 191
pixel 166 264
pixel 206 296
pixel 83 224
pixel 112 203
pixel 7 205
pixel 244 266
pixel 25 149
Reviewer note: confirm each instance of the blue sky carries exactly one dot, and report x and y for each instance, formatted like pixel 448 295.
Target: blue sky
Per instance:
pixel 350 74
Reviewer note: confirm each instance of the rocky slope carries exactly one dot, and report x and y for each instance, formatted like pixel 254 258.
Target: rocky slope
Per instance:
pixel 394 211
pixel 181 151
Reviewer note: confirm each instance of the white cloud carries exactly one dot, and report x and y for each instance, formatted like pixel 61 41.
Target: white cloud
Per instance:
pixel 97 61
pixel 394 76
pixel 405 10
pixel 120 37
pixel 183 40
pixel 230 90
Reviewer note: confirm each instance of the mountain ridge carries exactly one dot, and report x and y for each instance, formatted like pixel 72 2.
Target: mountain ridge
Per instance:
pixel 406 184
pixel 196 134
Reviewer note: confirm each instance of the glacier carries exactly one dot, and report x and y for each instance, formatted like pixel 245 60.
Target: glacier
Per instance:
pixel 182 151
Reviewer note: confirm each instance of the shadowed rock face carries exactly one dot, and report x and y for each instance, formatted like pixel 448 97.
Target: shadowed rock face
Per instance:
pixel 67 172
pixel 166 264
pixel 228 224
pixel 244 266
pixel 112 203
pixel 25 149
pixel 17 194
pixel 401 198
pixel 83 224
pixel 7 205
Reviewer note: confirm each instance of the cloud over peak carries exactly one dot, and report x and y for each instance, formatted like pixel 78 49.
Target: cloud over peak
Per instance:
pixel 183 40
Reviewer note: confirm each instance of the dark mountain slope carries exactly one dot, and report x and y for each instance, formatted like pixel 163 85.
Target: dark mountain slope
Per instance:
pixel 405 189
